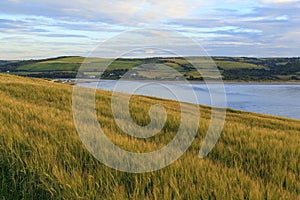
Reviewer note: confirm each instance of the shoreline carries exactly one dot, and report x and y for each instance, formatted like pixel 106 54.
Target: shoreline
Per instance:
pixel 78 81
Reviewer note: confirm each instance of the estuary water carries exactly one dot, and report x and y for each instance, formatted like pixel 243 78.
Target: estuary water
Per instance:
pixel 273 99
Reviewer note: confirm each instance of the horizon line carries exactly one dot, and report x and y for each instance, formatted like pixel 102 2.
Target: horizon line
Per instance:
pixel 85 57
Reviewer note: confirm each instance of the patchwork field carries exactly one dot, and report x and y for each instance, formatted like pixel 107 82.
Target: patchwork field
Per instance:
pixel 231 68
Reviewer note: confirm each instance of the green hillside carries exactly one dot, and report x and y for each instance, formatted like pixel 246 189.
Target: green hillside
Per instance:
pixel 231 68
pixel 42 157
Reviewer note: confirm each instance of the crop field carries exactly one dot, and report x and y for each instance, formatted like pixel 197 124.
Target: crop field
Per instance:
pixel 42 156
pixel 237 65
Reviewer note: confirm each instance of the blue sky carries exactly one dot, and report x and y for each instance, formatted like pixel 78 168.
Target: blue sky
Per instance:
pixel 40 28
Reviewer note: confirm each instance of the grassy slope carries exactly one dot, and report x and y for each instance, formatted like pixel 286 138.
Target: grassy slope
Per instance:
pixel 73 63
pixel 237 65
pixel 41 156
pixel 59 64
pixel 221 63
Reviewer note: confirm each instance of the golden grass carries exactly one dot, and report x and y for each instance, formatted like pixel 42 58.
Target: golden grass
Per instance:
pixel 42 157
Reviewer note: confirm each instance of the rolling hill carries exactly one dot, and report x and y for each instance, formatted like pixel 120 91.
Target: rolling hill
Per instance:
pixel 231 68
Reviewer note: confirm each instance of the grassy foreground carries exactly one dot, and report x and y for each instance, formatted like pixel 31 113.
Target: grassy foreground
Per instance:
pixel 42 157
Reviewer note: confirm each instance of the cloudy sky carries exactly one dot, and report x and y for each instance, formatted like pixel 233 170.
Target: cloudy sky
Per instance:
pixel 42 28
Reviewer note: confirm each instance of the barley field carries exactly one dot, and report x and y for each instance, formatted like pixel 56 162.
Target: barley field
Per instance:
pixel 42 156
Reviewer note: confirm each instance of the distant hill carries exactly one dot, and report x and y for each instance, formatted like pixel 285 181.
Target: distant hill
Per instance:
pixel 231 68
pixel 6 62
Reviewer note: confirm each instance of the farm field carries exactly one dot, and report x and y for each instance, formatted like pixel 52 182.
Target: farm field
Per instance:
pixel 42 157
pixel 231 68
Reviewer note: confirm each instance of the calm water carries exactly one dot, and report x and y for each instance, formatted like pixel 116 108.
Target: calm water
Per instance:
pixel 274 99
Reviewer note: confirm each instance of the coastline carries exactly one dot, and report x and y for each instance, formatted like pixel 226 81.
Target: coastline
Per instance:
pixel 78 81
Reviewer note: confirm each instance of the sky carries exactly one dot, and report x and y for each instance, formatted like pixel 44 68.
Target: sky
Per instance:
pixel 258 28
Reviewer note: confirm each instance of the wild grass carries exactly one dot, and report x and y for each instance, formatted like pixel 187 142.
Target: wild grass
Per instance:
pixel 42 157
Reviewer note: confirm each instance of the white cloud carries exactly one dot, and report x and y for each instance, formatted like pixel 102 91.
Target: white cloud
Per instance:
pixel 150 51
pixel 279 1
